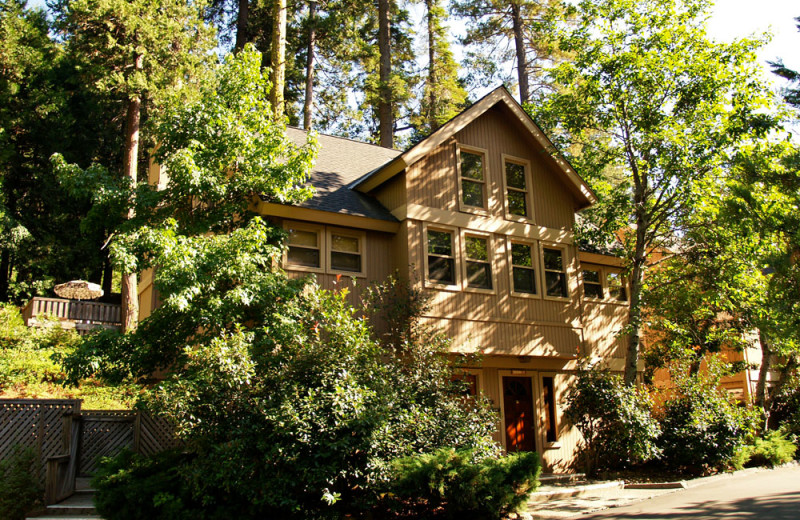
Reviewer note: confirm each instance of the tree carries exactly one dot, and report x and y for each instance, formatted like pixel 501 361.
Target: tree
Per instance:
pixel 654 107
pixel 792 93
pixel 443 96
pixel 499 32
pixel 134 50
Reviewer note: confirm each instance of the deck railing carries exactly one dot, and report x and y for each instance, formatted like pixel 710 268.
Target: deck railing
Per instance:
pixel 73 310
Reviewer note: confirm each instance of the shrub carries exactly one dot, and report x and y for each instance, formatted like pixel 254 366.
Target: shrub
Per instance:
pixel 20 488
pixel 614 419
pixel 785 409
pixel 452 484
pixel 132 487
pixel 701 427
pixel 773 449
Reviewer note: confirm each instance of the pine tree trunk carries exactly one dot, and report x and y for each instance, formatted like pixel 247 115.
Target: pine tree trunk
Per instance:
pixel 242 19
pixel 130 295
pixel 522 59
pixel 432 121
pixel 5 274
pixel 312 34
pixel 278 58
pixel 385 112
pixel 108 273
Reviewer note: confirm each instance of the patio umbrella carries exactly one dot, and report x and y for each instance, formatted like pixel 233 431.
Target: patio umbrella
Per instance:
pixel 78 290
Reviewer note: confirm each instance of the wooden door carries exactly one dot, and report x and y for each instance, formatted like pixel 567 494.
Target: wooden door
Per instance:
pixel 518 410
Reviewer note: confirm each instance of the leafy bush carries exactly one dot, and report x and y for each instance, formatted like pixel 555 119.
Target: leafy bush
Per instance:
pixel 702 428
pixel 773 449
pixel 452 484
pixel 29 366
pixel 615 420
pixel 785 409
pixel 20 488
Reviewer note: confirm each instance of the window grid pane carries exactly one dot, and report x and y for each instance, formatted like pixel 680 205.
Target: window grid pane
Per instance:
pixel 472 193
pixel 523 273
pixel 345 244
pixel 554 276
pixel 472 165
pixel 441 262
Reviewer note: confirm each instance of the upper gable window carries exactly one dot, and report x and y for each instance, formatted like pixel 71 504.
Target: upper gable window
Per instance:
pixel 517 188
pixel 478 265
pixel 472 179
pixel 441 257
pixel 555 274
pixel 305 246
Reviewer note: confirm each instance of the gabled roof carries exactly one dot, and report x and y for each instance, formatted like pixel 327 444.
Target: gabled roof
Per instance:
pixel 339 162
pixel 582 192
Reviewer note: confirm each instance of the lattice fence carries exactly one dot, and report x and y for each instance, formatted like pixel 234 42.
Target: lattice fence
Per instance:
pixel 38 424
pixel 107 432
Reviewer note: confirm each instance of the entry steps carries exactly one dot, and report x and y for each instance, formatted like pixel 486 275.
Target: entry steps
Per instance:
pixel 80 506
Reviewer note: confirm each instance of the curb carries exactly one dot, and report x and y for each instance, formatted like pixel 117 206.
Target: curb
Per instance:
pixel 658 485
pixel 538 497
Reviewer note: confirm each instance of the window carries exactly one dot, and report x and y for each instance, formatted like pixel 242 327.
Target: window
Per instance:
pixel 523 274
pixel 517 189
pixel 616 287
pixel 345 253
pixel 549 392
pixel 441 260
pixel 304 248
pixel 477 263
pixel 472 179
pixel 592 283
pixel 555 276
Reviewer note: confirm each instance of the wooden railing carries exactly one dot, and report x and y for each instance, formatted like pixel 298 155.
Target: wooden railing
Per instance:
pixel 73 310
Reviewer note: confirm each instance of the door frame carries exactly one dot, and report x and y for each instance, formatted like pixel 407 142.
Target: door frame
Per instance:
pixel 535 379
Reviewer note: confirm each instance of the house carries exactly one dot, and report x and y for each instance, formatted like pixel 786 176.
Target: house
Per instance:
pixel 481 215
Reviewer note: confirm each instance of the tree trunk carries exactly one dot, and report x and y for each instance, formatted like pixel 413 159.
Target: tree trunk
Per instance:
pixel 761 398
pixel 278 59
pixel 522 58
pixel 5 274
pixel 108 273
pixel 242 19
pixel 637 274
pixel 432 122
pixel 385 112
pixel 312 34
pixel 130 296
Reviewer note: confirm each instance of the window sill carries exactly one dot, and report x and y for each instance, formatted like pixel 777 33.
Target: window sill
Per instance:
pixel 534 296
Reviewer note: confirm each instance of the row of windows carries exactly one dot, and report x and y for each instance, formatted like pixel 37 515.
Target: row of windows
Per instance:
pixel 473 186
pixel 604 284
pixel 325 249
pixel 476 270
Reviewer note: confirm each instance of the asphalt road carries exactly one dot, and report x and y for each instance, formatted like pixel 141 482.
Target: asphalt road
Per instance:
pixel 765 495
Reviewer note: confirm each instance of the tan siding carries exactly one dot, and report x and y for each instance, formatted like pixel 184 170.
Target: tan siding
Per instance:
pixel 432 181
pixel 561 457
pixel 602 323
pixel 393 194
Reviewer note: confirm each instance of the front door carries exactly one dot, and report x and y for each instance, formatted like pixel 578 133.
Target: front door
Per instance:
pixel 518 410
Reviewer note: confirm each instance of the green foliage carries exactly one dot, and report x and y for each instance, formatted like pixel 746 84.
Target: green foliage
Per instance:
pixel 132 487
pixel 702 429
pixel 451 483
pixel 28 366
pixel 20 488
pixel 615 420
pixel 774 449
pixel 785 406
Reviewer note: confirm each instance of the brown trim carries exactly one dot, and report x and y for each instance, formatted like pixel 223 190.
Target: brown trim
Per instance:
pixel 327 217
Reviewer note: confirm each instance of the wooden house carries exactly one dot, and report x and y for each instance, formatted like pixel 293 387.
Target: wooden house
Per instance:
pixel 480 214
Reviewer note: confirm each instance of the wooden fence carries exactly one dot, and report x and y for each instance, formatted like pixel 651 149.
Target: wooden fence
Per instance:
pixel 73 310
pixel 70 442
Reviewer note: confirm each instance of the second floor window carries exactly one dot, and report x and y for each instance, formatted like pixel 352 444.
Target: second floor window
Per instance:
pixel 304 248
pixel 555 276
pixel 472 179
pixel 345 253
pixel 523 272
pixel 441 258
pixel 516 189
pixel 616 287
pixel 479 268
pixel 592 283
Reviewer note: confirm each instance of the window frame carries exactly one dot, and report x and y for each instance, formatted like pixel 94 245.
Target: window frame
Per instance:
pixel 456 285
pixel 623 284
pixel 464 233
pixel 321 236
pixel 526 164
pixel 565 262
pixel 351 233
pixel 545 411
pixel 510 240
pixel 459 178
pixel 602 274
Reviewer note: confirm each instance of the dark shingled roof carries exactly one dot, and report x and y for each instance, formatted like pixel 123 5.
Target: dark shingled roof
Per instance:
pixel 340 162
